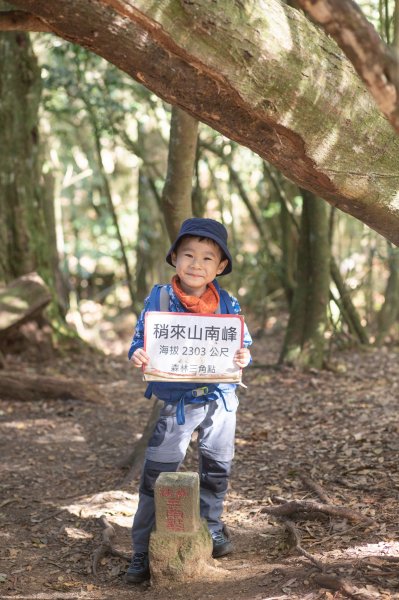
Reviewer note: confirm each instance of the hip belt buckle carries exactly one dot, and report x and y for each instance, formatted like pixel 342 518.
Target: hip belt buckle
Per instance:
pixel 202 391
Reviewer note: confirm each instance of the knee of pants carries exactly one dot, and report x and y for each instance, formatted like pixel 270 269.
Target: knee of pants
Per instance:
pixel 215 474
pixel 151 472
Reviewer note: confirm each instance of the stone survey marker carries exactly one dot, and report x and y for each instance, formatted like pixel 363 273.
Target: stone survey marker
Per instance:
pixel 180 546
pixel 177 503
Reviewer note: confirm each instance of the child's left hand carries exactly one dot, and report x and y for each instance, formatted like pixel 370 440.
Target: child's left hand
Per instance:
pixel 242 357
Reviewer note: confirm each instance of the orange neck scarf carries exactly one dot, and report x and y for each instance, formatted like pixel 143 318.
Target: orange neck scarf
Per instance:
pixel 207 303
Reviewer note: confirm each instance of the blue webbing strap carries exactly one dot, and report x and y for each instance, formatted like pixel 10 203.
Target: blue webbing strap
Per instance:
pixel 194 399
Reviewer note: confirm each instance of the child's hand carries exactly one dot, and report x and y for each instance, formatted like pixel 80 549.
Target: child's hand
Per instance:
pixel 242 357
pixel 140 358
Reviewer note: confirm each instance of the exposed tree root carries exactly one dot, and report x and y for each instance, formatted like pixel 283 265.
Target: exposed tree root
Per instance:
pixel 307 508
pixel 315 487
pixel 338 584
pixel 297 541
pixel 293 507
pixel 106 547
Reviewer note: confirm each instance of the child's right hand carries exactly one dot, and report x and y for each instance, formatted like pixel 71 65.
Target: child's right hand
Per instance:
pixel 140 358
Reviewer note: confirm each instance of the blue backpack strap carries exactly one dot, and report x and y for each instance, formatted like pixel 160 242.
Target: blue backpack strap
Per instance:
pixel 154 298
pixel 159 298
pixel 164 299
pixel 148 391
pixel 225 305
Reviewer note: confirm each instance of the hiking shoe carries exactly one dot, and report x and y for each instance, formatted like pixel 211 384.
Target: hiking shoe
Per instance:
pixel 221 543
pixel 139 568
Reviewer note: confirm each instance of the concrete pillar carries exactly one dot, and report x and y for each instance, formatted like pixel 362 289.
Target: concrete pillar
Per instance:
pixel 180 546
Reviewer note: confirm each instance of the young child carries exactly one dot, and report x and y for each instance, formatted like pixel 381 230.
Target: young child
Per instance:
pixel 199 254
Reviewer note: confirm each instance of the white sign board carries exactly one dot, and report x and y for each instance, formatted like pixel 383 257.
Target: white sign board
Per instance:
pixel 192 347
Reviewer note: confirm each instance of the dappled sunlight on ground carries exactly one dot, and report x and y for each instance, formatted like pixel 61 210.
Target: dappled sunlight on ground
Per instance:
pixel 118 506
pixel 60 474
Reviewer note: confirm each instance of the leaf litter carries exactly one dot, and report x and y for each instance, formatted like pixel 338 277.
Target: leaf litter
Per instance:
pixel 338 430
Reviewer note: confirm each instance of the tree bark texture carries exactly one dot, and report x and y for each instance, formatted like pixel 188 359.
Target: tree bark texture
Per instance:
pixel 260 73
pixel 20 91
pixel 177 191
pixel 373 60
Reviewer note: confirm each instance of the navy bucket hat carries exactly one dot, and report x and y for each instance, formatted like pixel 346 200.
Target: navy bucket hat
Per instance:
pixel 207 228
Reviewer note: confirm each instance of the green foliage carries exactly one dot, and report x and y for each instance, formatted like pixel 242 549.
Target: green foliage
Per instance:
pixel 107 134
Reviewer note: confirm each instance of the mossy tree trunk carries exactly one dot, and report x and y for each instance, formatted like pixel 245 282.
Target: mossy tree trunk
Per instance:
pixel 27 226
pixel 19 157
pixel 304 341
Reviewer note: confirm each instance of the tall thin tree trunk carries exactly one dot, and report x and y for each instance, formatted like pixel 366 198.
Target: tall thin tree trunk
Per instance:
pixel 389 312
pixel 289 234
pixel 348 310
pixel 198 201
pixel 288 254
pixel 108 195
pixel 319 285
pixel 304 341
pixel 177 206
pixel 176 195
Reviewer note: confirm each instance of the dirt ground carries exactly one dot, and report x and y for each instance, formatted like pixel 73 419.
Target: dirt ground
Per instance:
pixel 59 474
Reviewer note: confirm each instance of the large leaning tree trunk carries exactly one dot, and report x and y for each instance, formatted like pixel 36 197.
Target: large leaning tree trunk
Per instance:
pixel 260 73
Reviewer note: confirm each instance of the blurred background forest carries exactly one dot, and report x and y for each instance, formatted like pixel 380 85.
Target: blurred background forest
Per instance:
pixel 91 192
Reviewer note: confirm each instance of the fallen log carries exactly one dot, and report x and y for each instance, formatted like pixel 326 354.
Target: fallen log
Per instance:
pixel 23 387
pixel 24 299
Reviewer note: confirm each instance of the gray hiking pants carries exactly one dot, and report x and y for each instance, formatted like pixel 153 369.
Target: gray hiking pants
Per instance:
pixel 167 449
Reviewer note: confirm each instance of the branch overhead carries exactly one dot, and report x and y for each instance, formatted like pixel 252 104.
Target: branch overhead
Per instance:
pixel 295 100
pixel 373 60
pixel 20 20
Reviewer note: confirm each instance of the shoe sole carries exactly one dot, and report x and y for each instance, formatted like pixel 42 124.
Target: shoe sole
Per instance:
pixel 130 578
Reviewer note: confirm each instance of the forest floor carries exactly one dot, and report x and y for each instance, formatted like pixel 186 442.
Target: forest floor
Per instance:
pixel 59 474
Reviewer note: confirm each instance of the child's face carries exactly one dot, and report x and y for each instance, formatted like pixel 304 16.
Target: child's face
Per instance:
pixel 197 264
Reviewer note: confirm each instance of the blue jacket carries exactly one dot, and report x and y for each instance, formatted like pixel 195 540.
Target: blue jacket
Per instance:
pixel 181 392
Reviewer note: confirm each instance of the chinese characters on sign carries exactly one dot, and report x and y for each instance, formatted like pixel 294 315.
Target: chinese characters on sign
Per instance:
pixel 192 347
pixel 174 509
